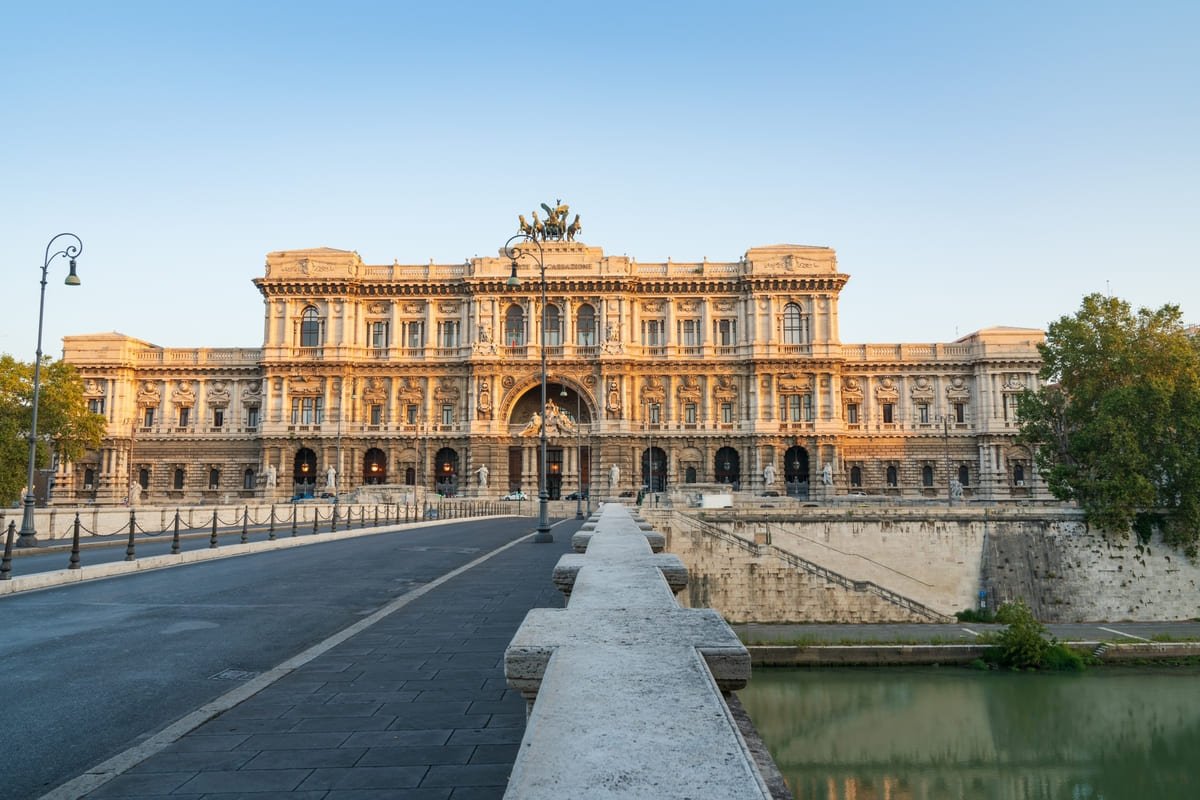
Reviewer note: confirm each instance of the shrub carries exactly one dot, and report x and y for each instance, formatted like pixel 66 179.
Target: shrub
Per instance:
pixel 1022 644
pixel 973 615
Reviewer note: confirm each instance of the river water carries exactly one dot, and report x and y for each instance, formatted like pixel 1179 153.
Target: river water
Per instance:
pixel 947 733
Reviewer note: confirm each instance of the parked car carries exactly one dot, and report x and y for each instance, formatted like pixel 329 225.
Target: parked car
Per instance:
pixel 518 495
pixel 577 495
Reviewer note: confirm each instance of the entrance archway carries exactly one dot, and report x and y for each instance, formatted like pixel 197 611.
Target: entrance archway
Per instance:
pixel 654 469
pixel 795 471
pixel 727 467
pixel 374 467
pixel 445 465
pixel 304 472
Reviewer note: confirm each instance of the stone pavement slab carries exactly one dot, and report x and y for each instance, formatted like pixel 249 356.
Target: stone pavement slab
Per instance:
pixel 415 706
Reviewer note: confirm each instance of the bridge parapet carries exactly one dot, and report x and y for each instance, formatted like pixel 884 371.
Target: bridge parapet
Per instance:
pixel 626 689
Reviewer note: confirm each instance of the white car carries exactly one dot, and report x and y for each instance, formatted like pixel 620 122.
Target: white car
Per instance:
pixel 518 495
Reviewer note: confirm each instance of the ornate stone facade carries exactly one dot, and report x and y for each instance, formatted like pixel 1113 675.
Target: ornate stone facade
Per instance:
pixel 676 373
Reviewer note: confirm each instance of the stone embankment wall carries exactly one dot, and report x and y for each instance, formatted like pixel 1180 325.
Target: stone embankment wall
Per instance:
pixel 937 558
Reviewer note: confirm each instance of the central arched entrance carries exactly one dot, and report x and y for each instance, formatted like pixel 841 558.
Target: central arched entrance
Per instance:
pixel 445 465
pixel 304 472
pixel 374 467
pixel 654 469
pixel 796 471
pixel 727 467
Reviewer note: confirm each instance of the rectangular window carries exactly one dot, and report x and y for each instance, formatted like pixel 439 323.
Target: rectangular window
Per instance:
pixel 414 334
pixel 727 412
pixel 725 332
pixel 252 416
pixel 808 408
pixel 888 413
pixel 689 413
pixel 306 410
pixel 654 413
pixel 376 415
pixel 148 418
pixel 379 339
pixel 792 408
pixel 447 415
pixel 960 412
pixel 689 332
pixel 410 414
pixel 923 413
pixel 218 417
pixel 448 333
pixel 652 333
pixel 184 415
pixel 96 405
pixel 852 413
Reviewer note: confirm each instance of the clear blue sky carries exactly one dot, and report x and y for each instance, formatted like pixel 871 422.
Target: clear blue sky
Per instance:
pixel 973 163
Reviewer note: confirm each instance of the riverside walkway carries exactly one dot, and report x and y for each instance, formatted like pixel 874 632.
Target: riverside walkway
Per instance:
pixel 411 702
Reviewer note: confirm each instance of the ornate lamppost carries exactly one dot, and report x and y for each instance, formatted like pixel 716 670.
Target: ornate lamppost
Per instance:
pixel 28 534
pixel 515 249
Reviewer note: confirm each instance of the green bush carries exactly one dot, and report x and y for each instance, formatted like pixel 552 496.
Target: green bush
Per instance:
pixel 973 615
pixel 1023 643
pixel 1060 657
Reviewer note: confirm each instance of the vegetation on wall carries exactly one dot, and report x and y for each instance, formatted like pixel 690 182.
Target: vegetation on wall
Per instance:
pixel 1116 428
pixel 65 426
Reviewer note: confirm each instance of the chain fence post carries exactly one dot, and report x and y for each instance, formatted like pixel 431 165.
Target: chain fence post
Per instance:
pixel 74 563
pixel 175 538
pixel 212 540
pixel 245 522
pixel 129 548
pixel 271 528
pixel 6 564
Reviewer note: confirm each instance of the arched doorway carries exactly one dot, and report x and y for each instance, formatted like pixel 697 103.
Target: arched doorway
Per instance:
pixel 727 467
pixel 445 465
pixel 304 472
pixel 795 471
pixel 654 469
pixel 374 467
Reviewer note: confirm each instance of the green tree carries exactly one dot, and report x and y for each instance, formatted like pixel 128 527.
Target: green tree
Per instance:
pixel 65 427
pixel 1117 425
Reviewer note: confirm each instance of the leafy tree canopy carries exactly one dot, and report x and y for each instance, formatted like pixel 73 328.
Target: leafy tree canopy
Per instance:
pixel 1117 425
pixel 65 427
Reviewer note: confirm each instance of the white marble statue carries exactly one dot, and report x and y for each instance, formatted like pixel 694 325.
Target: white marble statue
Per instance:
pixel 614 475
pixel 955 489
pixel 482 472
pixel 135 493
pixel 827 474
pixel 331 479
pixel 769 474
pixel 272 476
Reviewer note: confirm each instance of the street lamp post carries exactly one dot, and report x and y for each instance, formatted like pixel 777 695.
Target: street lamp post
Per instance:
pixel 514 249
pixel 28 534
pixel 578 455
pixel 946 444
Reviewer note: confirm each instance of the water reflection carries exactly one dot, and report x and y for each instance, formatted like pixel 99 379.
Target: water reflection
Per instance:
pixel 934 734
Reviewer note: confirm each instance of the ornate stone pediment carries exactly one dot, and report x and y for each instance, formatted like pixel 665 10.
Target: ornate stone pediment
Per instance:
pixel 218 393
pixel 689 390
pixel 922 388
pixel 148 394
pixel 725 389
pixel 852 386
pixel 886 389
pixel 320 262
pixel 1014 382
pixel 375 392
pixel 447 391
pixel 795 384
pixel 308 385
pixel 653 391
pixel 410 392
pixel 184 394
pixel 959 388
pixel 251 394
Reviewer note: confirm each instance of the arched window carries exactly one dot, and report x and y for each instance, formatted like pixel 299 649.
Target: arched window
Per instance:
pixel 689 475
pixel 310 328
pixel 891 476
pixel 89 478
pixel 144 478
pixel 248 479
pixel 1019 475
pixel 178 481
pixel 927 475
pixel 964 475
pixel 794 324
pixel 855 476
pixel 514 327
pixel 585 326
pixel 553 326
pixel 214 478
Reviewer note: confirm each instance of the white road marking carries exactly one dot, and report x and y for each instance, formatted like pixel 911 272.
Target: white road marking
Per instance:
pixel 973 633
pixel 1120 633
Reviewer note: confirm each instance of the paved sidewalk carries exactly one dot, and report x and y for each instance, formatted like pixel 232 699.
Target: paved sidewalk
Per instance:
pixel 414 706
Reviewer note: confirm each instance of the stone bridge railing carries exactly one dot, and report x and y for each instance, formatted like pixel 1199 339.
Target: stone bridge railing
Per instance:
pixel 629 694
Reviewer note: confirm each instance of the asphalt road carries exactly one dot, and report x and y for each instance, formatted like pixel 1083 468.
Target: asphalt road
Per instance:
pixel 89 669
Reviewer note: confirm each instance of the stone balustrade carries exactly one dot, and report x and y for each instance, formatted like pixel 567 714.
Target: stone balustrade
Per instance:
pixel 626 689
